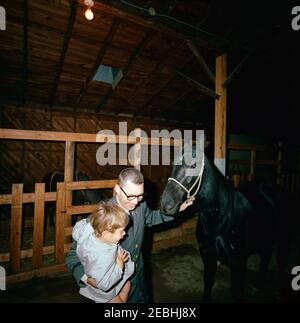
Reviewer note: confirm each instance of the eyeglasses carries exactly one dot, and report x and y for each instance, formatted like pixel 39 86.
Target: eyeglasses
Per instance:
pixel 132 197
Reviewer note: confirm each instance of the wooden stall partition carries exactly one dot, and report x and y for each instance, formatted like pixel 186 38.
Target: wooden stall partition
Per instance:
pixel 60 223
pixel 38 225
pixel 16 227
pixel 68 176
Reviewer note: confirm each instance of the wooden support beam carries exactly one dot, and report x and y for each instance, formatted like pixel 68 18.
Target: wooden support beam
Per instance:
pixel 16 227
pixel 250 147
pixel 279 160
pixel 68 175
pixel 38 227
pixel 81 209
pixel 67 38
pixel 147 38
pixel 41 272
pixel 28 253
pixel 137 149
pixel 199 86
pixel 60 223
pixel 257 162
pixel 27 197
pixel 253 163
pixel 99 59
pixel 220 114
pixel 236 70
pixel 76 137
pixel 83 185
pixel 201 61
pixel 25 52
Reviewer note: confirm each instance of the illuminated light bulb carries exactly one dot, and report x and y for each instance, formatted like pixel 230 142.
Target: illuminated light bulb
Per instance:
pixel 89 15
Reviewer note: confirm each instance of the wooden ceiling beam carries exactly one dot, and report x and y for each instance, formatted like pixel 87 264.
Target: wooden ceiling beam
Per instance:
pixel 67 38
pixel 201 61
pixel 147 38
pixel 25 53
pixel 237 70
pixel 199 86
pixel 99 59
pixel 161 24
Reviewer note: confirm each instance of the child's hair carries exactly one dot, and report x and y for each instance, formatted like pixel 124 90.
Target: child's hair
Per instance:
pixel 109 217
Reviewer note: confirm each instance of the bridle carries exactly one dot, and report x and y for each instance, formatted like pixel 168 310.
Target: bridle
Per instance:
pixel 198 180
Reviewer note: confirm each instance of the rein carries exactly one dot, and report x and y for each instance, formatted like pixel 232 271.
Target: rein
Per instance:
pixel 198 180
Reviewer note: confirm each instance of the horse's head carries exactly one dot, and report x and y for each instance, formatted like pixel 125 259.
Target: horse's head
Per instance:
pixel 185 180
pixel 93 196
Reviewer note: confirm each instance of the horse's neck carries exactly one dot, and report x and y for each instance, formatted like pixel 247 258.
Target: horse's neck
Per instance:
pixel 215 189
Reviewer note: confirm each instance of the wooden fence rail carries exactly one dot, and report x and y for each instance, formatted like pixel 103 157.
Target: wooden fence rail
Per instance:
pixel 62 230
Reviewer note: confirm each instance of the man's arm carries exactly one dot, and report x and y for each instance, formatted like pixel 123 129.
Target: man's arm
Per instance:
pixel 155 217
pixel 74 265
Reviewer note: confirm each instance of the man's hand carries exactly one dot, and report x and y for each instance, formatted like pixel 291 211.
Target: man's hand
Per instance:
pixel 186 204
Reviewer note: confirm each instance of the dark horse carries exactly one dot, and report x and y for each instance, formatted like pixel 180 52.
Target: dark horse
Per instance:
pixel 79 196
pixel 231 224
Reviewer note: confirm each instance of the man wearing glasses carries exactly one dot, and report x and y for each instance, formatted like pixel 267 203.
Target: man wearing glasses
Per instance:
pixel 129 193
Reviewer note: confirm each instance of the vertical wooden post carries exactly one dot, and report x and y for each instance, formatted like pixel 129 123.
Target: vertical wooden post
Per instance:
pixel 220 114
pixel 60 222
pixel 236 180
pixel 253 163
pixel 137 149
pixel 69 174
pixel 279 165
pixel 38 229
pixel 16 227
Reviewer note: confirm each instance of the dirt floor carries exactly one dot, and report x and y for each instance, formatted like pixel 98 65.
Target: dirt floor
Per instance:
pixel 176 277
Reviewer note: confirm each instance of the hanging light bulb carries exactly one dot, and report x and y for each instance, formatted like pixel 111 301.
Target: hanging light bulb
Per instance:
pixel 89 15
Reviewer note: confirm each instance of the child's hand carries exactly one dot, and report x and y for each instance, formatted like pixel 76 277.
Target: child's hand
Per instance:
pixel 91 281
pixel 122 258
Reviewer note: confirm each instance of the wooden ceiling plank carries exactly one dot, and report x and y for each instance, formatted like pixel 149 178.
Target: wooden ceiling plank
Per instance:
pixel 177 99
pixel 147 38
pixel 25 53
pixel 64 50
pixel 158 66
pixel 99 59
pixel 165 86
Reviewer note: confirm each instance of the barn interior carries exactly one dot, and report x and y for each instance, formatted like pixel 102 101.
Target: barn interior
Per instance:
pixel 193 65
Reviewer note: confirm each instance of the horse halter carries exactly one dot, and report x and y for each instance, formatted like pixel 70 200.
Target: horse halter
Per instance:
pixel 198 180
